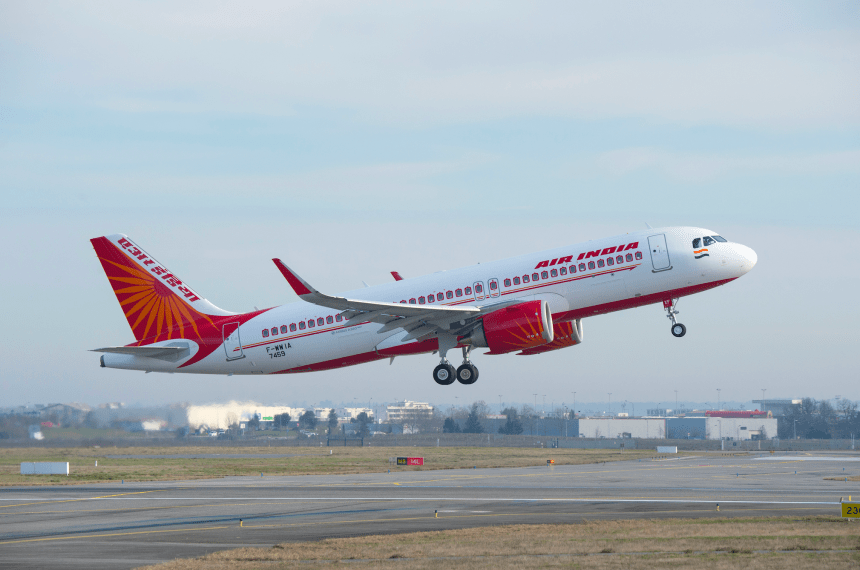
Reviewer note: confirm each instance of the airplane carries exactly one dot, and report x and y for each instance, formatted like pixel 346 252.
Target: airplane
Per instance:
pixel 529 305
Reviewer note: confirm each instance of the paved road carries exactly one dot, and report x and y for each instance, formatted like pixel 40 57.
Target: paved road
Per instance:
pixel 124 526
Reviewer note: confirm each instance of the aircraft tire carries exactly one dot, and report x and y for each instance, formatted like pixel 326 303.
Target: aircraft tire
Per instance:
pixel 678 330
pixel 467 374
pixel 444 374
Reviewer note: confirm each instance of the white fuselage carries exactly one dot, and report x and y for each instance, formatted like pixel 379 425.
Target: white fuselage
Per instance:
pixel 661 271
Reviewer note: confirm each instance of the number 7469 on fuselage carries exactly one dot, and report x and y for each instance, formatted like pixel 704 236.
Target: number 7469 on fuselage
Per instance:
pixel 527 305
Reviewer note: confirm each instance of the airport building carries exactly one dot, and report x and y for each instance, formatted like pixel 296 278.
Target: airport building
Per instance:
pixel 614 427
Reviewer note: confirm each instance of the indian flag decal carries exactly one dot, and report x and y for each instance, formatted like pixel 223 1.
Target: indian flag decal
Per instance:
pixel 700 253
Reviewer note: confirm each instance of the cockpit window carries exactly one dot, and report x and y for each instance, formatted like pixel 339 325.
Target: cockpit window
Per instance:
pixel 708 241
pixel 697 243
pixel 720 239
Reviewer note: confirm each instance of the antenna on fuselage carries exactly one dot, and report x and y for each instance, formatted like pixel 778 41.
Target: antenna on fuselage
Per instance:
pixel 648 226
pixel 365 284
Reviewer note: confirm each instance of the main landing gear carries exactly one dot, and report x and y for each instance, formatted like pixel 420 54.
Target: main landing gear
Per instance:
pixel 678 330
pixel 466 373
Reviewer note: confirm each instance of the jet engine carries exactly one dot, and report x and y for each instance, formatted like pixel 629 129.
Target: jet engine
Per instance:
pixel 566 334
pixel 518 327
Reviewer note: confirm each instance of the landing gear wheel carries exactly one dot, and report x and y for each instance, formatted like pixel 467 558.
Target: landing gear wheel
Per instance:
pixel 678 330
pixel 444 374
pixel 467 373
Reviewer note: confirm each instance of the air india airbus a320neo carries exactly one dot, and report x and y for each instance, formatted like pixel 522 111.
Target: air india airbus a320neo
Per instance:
pixel 529 305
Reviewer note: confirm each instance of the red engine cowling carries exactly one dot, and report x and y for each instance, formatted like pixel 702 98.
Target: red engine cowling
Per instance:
pixel 566 334
pixel 519 327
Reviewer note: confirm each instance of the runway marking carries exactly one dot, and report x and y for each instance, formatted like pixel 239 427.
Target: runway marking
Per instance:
pixel 460 499
pixel 45 501
pixel 112 534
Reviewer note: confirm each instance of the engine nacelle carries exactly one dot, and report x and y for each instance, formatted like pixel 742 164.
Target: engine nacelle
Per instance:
pixel 518 327
pixel 566 334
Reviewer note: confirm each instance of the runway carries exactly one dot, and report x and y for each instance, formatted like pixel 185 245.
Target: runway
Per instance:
pixel 129 525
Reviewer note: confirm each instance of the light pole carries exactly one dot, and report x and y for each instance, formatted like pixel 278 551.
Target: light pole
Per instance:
pixel 535 395
pixel 574 403
pixel 543 411
pixel 610 404
pixel 500 404
pixel 795 429
pixel 718 398
pixel 763 407
pixel 676 402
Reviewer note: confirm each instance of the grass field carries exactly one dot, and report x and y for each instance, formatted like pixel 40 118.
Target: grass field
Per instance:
pixel 760 543
pixel 303 461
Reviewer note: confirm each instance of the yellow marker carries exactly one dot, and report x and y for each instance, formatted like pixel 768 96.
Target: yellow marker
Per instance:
pixel 718 507
pixel 851 510
pixel 240 522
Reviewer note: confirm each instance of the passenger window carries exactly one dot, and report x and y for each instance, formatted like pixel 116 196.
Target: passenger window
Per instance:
pixel 572 269
pixel 478 288
pixel 338 318
pixel 265 333
pixel 320 321
pixel 708 241
pixel 582 266
pixel 302 326
pixel 619 260
pixel 283 329
pixel 638 255
pixel 468 291
pixel 274 331
pixel 535 276
pixel 591 265
pixel 563 271
pixel 610 261
pixel 544 275
pixel 412 301
pixel 629 257
pixel 697 243
pixel 403 301
pixel 292 327
pixel 440 296
pixel 525 278
pixel 449 294
pixel 431 299
pixel 600 263
pixel 329 320
pixel 553 273
pixel 516 280
pixel 507 282
pixel 310 323
pixel 421 300
pixel 493 285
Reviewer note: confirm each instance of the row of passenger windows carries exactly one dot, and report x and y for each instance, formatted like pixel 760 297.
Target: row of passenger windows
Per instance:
pixel 479 289
pixel 440 296
pixel 309 324
pixel 609 261
pixel 494 285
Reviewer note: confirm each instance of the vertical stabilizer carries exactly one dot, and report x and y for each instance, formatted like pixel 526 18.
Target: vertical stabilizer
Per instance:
pixel 158 305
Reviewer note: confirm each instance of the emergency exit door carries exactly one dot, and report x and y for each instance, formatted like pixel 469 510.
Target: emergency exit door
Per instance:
pixel 659 252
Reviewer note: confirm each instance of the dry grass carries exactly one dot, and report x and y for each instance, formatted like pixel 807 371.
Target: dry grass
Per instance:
pixel 305 461
pixel 771 543
pixel 842 478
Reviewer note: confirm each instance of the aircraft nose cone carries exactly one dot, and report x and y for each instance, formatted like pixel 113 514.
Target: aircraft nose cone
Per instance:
pixel 748 257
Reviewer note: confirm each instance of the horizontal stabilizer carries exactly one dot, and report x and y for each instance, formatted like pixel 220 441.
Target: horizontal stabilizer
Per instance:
pixel 172 353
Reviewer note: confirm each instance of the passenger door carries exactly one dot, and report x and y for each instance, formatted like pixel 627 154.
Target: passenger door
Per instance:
pixel 232 341
pixel 659 253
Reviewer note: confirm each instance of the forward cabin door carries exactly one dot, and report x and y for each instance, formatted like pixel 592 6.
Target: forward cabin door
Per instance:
pixel 659 252
pixel 232 341
pixel 479 290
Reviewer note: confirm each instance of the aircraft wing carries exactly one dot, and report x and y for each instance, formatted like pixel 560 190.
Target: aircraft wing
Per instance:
pixel 419 320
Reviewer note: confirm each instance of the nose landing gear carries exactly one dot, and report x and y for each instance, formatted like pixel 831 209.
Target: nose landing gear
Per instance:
pixel 678 330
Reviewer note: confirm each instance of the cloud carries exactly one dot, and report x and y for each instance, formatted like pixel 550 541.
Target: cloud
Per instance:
pixel 773 66
pixel 700 167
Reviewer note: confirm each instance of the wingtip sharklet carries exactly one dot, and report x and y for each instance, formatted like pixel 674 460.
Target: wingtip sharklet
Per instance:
pixel 297 283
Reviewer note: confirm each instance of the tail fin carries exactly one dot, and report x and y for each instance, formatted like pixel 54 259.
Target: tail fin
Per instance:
pixel 157 304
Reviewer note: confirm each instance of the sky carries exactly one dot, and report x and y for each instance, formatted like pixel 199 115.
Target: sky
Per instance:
pixel 353 139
